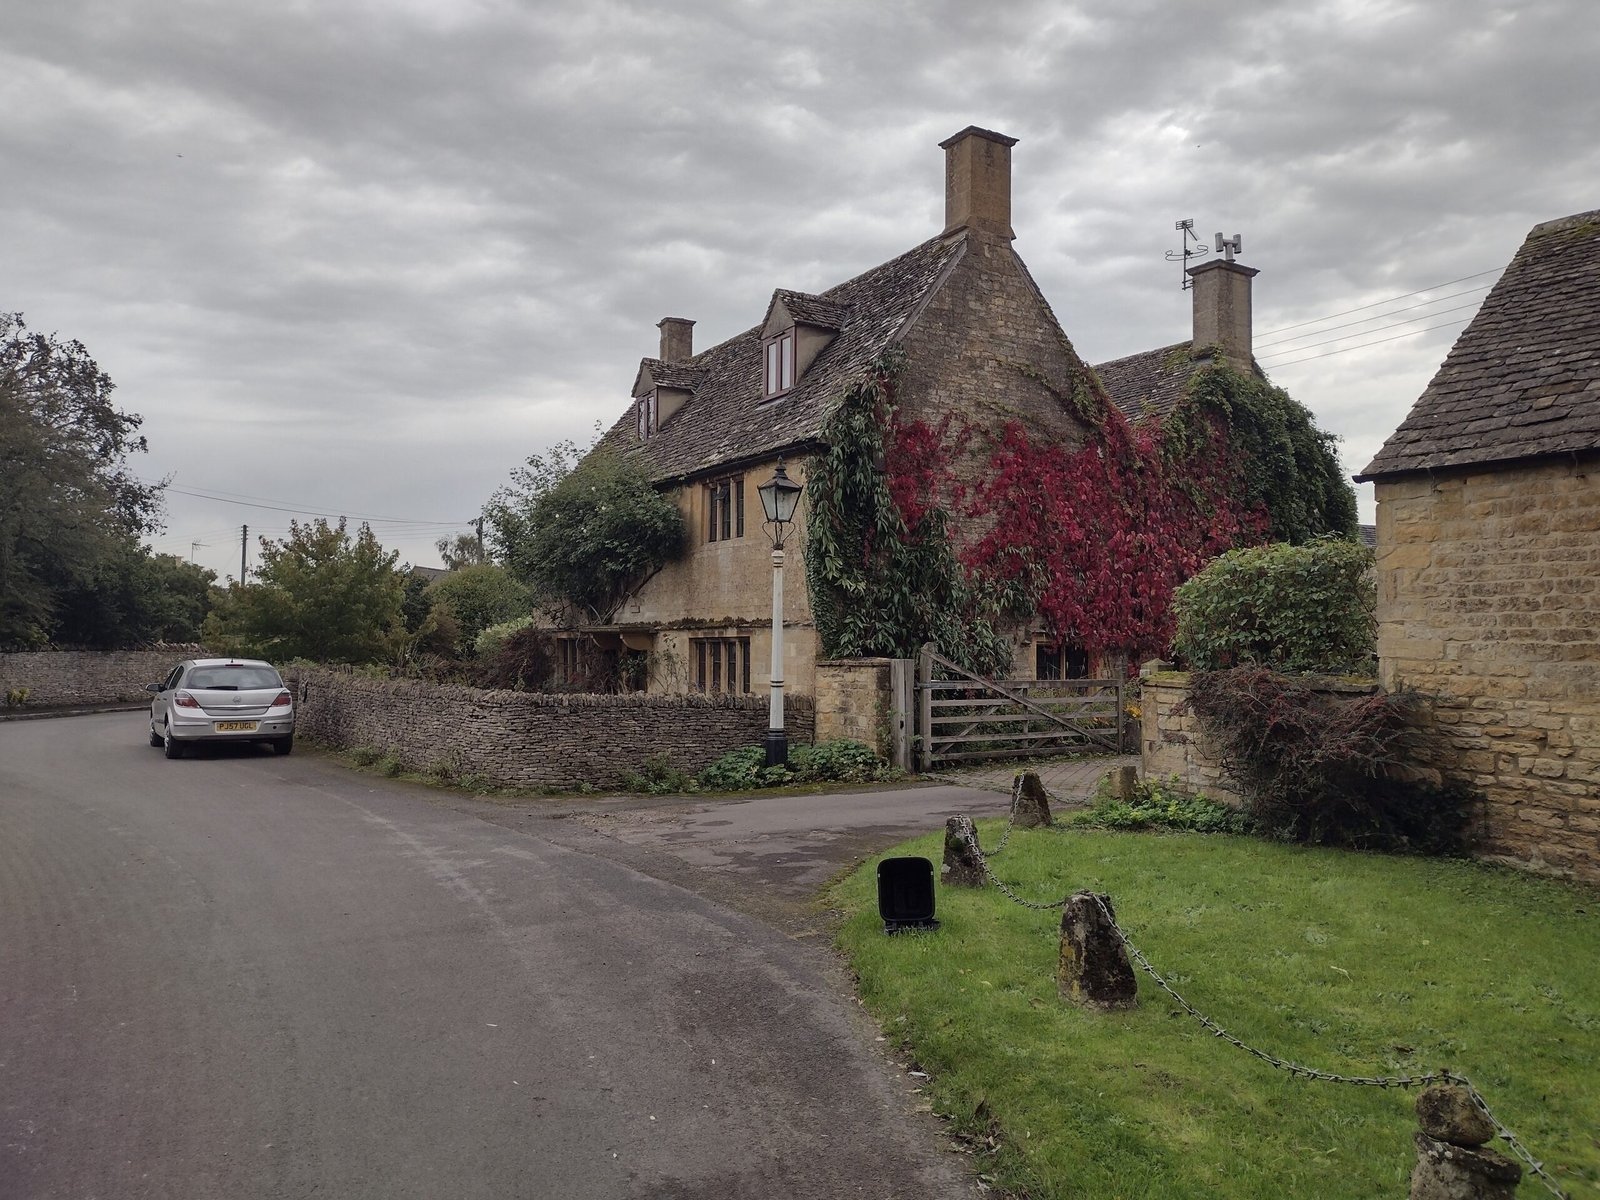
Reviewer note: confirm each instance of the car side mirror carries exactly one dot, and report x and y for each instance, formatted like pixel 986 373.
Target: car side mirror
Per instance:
pixel 153 688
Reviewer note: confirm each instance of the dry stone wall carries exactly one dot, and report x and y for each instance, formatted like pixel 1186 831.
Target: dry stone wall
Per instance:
pixel 1171 745
pixel 852 700
pixel 1488 600
pixel 1174 748
pixel 68 678
pixel 531 740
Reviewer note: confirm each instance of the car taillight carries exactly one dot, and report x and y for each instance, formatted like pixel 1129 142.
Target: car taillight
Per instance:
pixel 283 698
pixel 184 700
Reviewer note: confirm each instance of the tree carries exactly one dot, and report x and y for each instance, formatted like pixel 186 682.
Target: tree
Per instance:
pixel 479 596
pixel 463 550
pixel 132 596
pixel 582 532
pixel 71 512
pixel 319 594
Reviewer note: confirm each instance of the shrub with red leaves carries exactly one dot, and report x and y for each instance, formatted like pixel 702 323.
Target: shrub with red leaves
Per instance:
pixel 1325 767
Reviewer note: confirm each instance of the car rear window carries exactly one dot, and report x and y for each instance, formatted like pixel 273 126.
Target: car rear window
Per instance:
pixel 232 678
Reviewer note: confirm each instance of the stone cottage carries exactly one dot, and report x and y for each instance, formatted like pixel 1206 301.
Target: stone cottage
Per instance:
pixel 1488 553
pixel 981 345
pixel 981 341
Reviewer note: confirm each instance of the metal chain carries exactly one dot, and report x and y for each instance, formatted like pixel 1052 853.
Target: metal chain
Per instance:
pixel 1011 823
pixel 1294 1069
pixel 983 862
pixel 1055 796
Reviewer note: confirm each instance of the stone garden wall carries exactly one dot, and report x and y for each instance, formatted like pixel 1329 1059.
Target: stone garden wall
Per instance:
pixel 531 740
pixel 69 678
pixel 1172 745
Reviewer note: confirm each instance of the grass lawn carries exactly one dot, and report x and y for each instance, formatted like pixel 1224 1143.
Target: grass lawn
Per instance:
pixel 1359 964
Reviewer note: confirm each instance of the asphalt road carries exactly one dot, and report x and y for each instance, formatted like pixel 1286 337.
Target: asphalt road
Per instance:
pixel 244 976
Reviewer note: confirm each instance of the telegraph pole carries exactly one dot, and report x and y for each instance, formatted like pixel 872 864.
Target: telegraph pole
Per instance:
pixel 244 546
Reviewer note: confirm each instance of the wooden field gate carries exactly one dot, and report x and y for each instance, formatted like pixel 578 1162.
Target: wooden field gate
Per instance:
pixel 963 718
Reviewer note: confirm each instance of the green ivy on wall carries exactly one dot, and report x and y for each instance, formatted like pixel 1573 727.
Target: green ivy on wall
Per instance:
pixel 883 579
pixel 1089 540
pixel 1287 466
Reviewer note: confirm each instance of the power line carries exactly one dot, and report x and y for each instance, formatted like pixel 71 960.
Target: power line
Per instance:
pixel 1380 329
pixel 306 512
pixel 1382 316
pixel 1376 342
pixel 1380 303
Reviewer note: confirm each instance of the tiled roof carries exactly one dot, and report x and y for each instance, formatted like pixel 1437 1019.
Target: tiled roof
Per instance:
pixel 1523 379
pixel 814 310
pixel 672 375
pixel 1148 384
pixel 726 421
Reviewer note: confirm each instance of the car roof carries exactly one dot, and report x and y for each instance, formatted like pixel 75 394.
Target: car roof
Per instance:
pixel 230 662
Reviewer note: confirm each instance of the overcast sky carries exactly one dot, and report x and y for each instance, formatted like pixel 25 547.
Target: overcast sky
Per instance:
pixel 364 257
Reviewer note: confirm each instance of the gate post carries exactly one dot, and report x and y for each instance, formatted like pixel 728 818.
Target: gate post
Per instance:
pixel 902 693
pixel 924 730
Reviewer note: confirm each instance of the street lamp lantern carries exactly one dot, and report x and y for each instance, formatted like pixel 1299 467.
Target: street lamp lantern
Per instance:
pixel 780 496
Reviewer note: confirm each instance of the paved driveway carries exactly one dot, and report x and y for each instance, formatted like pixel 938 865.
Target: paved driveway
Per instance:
pixel 770 855
pixel 246 977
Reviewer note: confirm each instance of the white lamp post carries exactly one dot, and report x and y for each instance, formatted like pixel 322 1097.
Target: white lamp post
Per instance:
pixel 779 497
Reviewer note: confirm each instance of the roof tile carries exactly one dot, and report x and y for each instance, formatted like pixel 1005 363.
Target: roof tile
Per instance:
pixel 726 420
pixel 1522 378
pixel 1149 384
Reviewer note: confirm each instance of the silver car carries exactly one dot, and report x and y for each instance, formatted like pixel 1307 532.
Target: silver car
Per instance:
pixel 221 700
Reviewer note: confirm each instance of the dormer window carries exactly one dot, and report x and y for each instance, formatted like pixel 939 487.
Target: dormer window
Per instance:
pixel 779 374
pixel 647 414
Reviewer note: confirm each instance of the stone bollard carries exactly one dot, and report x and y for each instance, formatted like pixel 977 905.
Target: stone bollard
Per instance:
pixel 1452 1163
pixel 962 866
pixel 1094 970
pixel 1123 782
pixel 1030 805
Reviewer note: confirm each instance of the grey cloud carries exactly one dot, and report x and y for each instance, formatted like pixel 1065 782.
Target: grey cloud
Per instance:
pixel 407 244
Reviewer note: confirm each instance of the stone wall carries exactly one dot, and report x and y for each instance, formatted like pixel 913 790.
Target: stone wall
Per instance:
pixel 65 678
pixel 531 740
pixel 1488 600
pixel 855 700
pixel 1171 746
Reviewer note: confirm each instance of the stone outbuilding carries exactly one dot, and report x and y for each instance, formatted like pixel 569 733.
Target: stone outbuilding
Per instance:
pixel 1488 557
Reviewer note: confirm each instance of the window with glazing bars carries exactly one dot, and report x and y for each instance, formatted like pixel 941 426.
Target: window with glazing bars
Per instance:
pixel 725 509
pixel 721 664
pixel 646 414
pixel 779 374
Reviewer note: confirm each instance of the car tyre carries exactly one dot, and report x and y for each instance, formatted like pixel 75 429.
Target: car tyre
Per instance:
pixel 170 745
pixel 283 745
pixel 155 738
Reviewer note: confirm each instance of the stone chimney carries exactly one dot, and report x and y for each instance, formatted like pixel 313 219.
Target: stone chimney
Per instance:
pixel 677 339
pixel 1222 308
pixel 977 181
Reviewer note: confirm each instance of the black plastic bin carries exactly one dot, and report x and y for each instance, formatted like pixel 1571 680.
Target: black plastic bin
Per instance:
pixel 905 894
